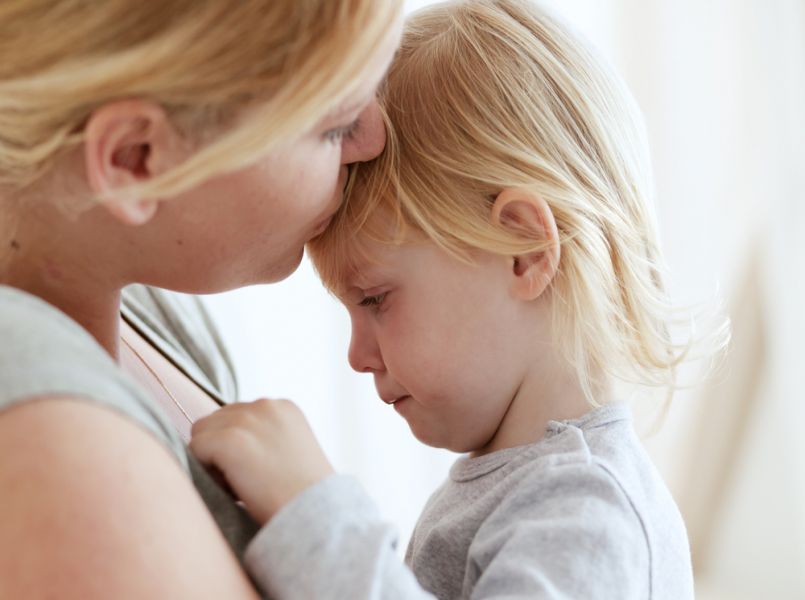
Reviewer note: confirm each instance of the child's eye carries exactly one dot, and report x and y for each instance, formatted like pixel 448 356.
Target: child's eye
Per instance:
pixel 373 301
pixel 339 134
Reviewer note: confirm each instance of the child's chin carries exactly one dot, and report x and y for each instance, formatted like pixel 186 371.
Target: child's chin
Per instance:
pixel 425 438
pixel 433 441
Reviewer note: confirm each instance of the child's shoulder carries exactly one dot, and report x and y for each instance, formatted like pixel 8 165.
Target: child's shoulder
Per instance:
pixel 596 456
pixel 585 500
pixel 596 460
pixel 591 479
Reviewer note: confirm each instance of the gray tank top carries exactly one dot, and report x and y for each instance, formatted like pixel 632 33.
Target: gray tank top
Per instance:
pixel 43 351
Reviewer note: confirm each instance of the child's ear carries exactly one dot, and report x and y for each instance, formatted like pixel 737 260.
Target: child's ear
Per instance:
pixel 527 215
pixel 127 142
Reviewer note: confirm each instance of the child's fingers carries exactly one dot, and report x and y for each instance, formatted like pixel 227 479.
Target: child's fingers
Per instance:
pixel 264 450
pixel 207 449
pixel 206 446
pixel 220 418
pixel 240 414
pixel 238 428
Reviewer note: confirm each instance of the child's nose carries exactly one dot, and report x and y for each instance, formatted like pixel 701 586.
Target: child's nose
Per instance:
pixel 364 353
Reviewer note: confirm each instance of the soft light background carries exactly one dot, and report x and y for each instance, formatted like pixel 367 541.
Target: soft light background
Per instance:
pixel 722 87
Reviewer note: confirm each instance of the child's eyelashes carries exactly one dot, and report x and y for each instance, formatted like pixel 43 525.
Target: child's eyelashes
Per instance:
pixel 339 134
pixel 373 301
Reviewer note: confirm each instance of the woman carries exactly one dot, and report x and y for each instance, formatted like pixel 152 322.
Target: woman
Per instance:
pixel 197 147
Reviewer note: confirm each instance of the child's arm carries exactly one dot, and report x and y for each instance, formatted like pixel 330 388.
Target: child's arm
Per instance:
pixel 322 537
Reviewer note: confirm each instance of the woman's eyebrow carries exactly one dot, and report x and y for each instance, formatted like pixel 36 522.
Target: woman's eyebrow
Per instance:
pixel 340 114
pixel 342 111
pixel 351 108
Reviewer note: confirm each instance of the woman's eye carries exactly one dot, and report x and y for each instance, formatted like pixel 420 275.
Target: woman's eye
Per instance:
pixel 339 134
pixel 373 301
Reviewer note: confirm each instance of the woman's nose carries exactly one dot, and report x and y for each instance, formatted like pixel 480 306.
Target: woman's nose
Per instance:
pixel 368 140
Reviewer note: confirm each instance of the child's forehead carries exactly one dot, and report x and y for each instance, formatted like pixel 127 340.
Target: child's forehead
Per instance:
pixel 366 263
pixel 364 256
pixel 371 263
pixel 368 248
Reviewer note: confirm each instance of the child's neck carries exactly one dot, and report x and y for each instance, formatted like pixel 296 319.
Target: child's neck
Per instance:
pixel 547 393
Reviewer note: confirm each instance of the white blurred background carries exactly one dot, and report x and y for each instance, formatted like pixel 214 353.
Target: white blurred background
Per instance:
pixel 722 87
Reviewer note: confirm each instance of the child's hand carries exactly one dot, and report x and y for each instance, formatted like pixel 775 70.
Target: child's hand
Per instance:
pixel 265 450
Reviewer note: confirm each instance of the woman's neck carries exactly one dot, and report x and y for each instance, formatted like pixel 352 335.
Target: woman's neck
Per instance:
pixel 62 271
pixel 70 251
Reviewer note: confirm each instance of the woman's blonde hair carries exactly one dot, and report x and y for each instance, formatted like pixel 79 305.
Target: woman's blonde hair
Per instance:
pixel 492 94
pixel 202 60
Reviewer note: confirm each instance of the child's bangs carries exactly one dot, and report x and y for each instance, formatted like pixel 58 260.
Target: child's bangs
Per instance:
pixel 368 216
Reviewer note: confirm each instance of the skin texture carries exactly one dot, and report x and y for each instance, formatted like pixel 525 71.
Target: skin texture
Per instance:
pixel 463 351
pixel 93 506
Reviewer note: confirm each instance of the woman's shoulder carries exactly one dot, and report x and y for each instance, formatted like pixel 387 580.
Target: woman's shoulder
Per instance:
pixel 45 353
pixel 38 337
pixel 84 486
pixel 22 311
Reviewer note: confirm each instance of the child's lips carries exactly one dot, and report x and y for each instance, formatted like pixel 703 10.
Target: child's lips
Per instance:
pixel 394 400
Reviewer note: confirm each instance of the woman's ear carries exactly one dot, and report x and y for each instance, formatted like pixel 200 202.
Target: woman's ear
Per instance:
pixel 125 143
pixel 526 214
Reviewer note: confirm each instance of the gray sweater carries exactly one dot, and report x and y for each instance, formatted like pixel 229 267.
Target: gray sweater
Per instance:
pixel 580 514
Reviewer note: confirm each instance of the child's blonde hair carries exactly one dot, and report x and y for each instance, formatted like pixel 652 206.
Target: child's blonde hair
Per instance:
pixel 202 60
pixel 491 94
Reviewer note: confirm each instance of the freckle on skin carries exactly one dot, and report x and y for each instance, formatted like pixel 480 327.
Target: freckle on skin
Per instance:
pixel 15 245
pixel 180 242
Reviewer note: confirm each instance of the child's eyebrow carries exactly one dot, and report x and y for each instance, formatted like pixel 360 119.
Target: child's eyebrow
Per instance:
pixel 353 295
pixel 349 295
pixel 365 276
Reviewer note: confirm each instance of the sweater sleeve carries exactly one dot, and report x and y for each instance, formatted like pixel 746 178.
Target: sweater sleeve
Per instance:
pixel 330 542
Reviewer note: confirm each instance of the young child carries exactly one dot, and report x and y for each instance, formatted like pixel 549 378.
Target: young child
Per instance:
pixel 499 265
